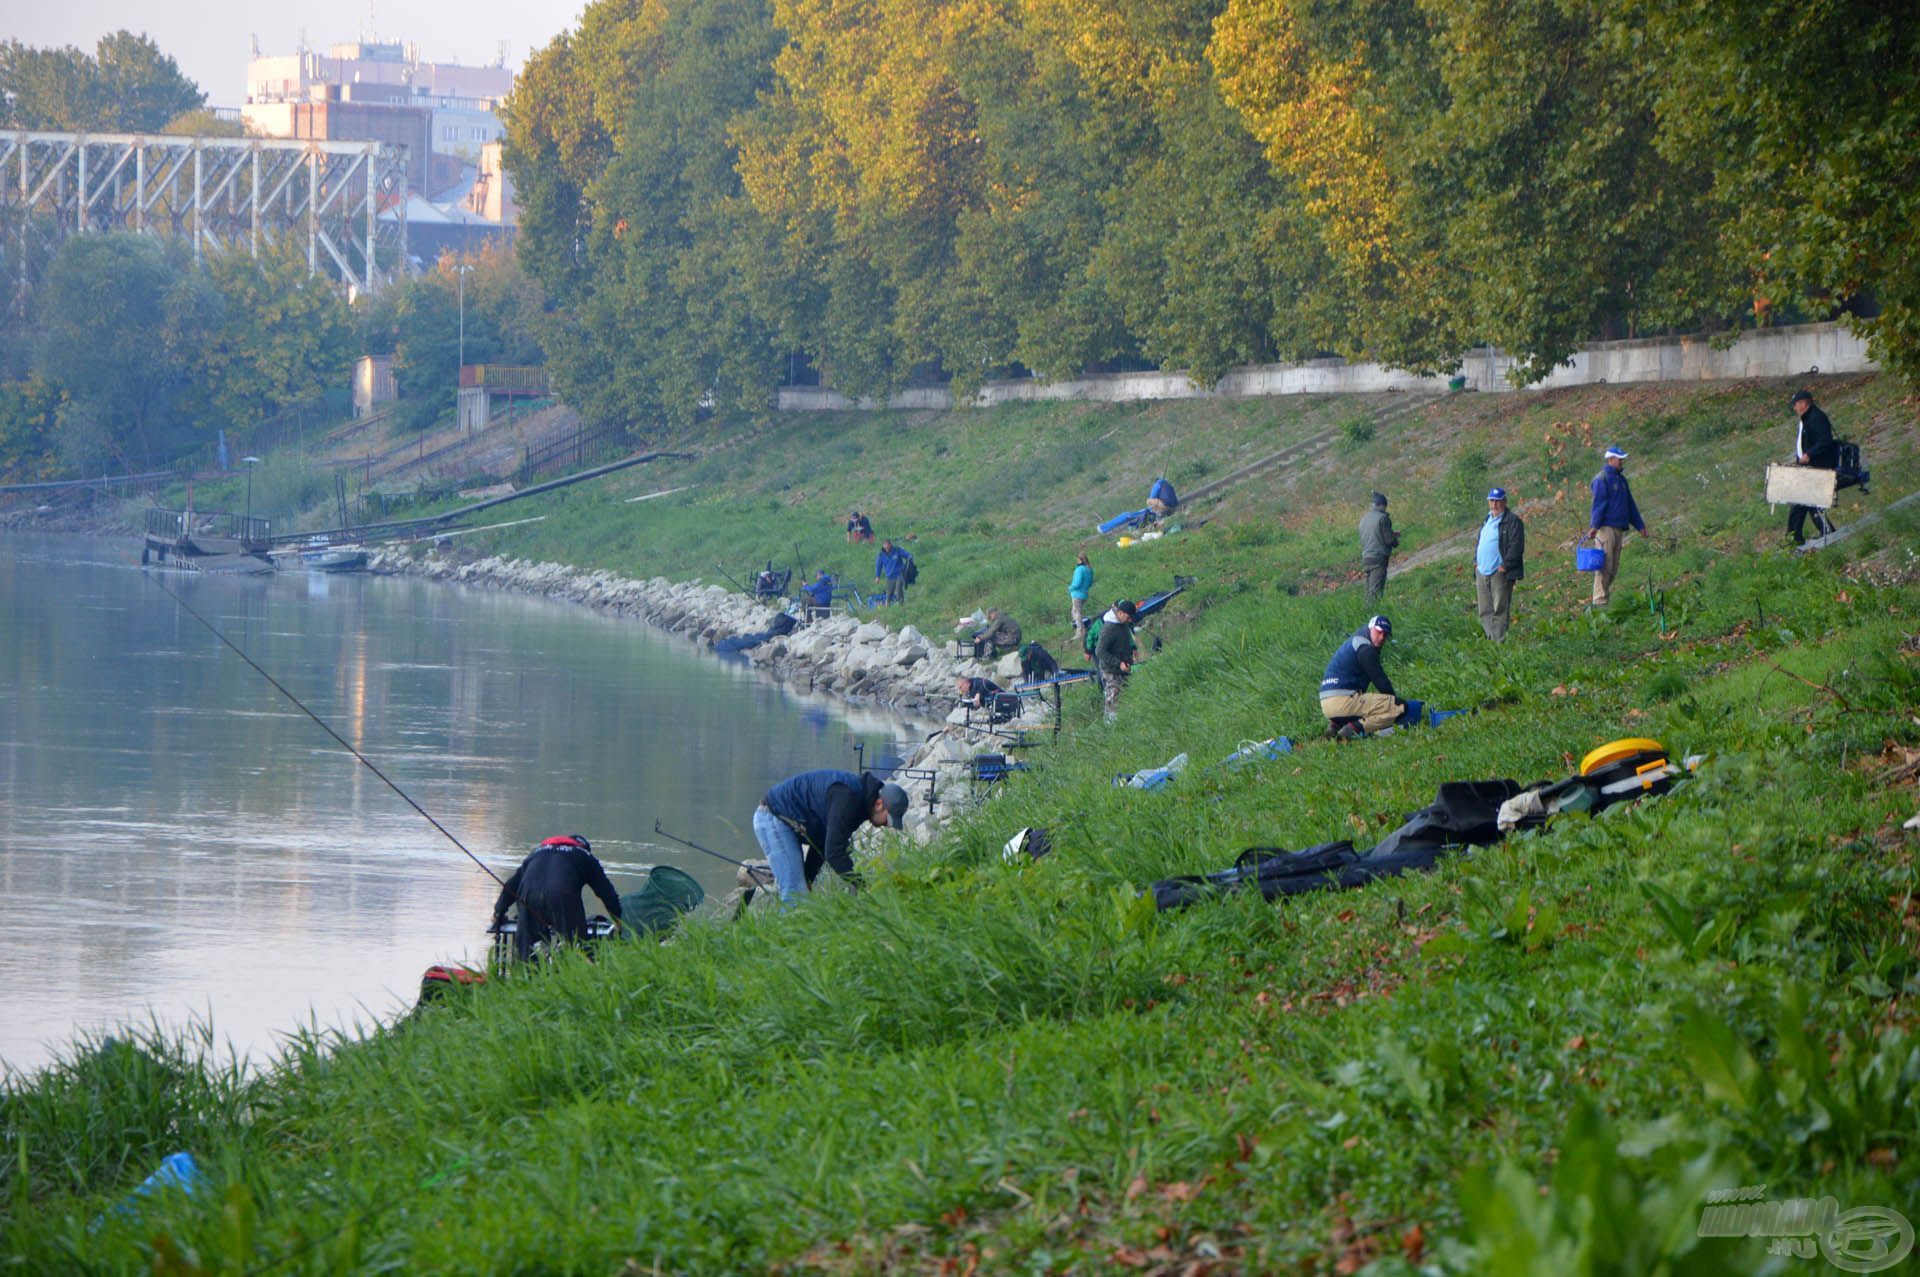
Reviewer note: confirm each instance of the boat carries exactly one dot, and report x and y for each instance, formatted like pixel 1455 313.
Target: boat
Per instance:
pixel 334 559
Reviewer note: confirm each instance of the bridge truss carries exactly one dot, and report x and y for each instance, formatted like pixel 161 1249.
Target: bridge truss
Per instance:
pixel 344 203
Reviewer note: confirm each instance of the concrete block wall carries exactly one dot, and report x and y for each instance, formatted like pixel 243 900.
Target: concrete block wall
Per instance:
pixel 1767 352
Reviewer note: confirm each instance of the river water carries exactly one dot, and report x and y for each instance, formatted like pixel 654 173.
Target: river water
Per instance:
pixel 178 842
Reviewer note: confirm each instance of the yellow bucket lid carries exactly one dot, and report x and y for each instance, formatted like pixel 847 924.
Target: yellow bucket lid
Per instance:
pixel 1124 541
pixel 1615 750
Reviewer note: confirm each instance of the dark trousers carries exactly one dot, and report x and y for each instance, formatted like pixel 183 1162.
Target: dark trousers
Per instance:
pixel 1376 578
pixel 1797 522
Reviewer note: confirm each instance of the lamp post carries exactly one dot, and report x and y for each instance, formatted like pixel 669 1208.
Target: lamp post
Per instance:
pixel 246 533
pixel 460 290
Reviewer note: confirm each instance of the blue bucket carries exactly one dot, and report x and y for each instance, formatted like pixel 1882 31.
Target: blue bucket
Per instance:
pixel 1589 558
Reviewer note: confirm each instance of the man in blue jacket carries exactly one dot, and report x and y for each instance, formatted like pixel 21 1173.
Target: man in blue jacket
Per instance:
pixel 1613 513
pixel 1354 669
pixel 890 569
pixel 821 809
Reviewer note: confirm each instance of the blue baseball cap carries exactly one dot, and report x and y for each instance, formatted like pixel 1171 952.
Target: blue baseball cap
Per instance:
pixel 1617 451
pixel 1382 624
pixel 1496 494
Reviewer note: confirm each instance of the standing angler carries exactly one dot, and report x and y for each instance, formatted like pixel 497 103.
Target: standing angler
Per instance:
pixel 890 569
pixel 1114 652
pixel 822 809
pixel 547 888
pixel 1499 560
pixel 1813 445
pixel 1377 542
pixel 1613 513
pixel 1078 588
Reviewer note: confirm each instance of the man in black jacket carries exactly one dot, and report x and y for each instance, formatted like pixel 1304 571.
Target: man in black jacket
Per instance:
pixel 547 888
pixel 1813 445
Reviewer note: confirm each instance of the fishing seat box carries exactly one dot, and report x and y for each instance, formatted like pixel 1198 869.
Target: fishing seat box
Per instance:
pixel 1802 485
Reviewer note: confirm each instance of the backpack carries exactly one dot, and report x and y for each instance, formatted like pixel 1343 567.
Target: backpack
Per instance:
pixel 1092 640
pixel 911 572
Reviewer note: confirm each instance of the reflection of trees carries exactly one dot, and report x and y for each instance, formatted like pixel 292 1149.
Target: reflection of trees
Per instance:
pixel 510 718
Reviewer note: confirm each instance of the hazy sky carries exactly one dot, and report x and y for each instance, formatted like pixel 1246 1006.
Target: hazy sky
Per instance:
pixel 208 38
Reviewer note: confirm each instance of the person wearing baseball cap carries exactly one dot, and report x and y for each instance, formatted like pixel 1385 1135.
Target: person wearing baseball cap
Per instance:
pixel 1613 513
pixel 1813 445
pixel 821 809
pixel 1377 541
pixel 1114 653
pixel 1345 696
pixel 1499 559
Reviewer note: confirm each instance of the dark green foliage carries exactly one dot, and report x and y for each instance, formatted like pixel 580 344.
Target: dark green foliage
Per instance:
pixel 126 86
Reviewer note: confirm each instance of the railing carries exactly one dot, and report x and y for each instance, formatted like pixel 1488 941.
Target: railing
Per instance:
pixel 583 446
pixel 181 525
pixel 505 379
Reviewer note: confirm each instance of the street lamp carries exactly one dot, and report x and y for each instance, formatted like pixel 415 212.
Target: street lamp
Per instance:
pixel 249 463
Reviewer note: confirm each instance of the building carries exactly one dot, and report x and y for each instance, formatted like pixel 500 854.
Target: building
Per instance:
pixel 491 195
pixel 442 113
pixel 373 384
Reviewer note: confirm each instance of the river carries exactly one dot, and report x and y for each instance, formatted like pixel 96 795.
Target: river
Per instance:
pixel 180 844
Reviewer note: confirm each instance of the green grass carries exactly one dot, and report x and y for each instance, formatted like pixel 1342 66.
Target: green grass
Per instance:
pixel 1024 1067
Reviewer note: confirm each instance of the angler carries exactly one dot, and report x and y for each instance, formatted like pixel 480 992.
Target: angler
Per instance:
pixel 821 809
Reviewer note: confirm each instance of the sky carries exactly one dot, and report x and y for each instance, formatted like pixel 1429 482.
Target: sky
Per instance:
pixel 209 38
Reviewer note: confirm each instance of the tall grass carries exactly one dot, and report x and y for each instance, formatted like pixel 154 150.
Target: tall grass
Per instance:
pixel 1023 1068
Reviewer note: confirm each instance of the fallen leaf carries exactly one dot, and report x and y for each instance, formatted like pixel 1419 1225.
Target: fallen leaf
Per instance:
pixel 1884 1158
pixel 1136 1188
pixel 1413 1244
pixel 1179 1191
pixel 1577 1041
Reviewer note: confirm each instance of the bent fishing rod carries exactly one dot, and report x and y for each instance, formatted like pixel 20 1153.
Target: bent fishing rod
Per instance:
pixel 342 741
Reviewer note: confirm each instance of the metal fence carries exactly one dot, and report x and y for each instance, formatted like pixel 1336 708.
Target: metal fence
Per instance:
pixel 583 447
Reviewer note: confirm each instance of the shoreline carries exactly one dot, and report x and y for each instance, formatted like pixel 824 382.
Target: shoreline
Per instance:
pixel 861 662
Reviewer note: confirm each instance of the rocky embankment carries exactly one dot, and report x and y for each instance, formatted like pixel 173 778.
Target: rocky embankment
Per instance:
pixel 861 660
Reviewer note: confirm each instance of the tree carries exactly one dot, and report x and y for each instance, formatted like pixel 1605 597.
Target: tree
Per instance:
pixel 285 335
pixel 1805 117
pixel 127 85
pixel 121 320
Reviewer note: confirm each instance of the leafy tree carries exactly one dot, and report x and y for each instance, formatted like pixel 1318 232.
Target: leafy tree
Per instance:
pixel 121 320
pixel 285 335
pixel 126 85
pixel 1806 118
pixel 29 430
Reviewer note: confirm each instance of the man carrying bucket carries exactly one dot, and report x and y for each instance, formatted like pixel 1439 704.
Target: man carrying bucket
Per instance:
pixel 1613 513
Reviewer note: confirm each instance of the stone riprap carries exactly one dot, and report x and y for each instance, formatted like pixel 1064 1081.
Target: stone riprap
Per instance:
pixel 860 660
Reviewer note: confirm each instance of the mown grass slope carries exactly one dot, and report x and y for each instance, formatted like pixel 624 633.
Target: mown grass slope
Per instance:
pixel 1535 1060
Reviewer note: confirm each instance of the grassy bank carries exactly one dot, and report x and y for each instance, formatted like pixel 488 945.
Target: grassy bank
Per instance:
pixel 1535 1060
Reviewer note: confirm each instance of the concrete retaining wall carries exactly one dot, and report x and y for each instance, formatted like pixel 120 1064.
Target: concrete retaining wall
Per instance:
pixel 1769 352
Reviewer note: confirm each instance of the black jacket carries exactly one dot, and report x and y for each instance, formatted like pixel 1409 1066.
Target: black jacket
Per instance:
pixel 547 888
pixel 1816 439
pixel 825 807
pixel 1513 545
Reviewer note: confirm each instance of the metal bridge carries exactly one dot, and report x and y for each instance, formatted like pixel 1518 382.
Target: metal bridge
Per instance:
pixel 343 202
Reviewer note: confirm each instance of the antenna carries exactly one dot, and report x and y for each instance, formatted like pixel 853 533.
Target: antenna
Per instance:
pixel 503 54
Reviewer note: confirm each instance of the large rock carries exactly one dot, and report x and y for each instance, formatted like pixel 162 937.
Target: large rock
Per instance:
pixel 871 632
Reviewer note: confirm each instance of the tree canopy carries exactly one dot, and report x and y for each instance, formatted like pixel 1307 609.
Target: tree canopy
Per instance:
pixel 962 188
pixel 127 85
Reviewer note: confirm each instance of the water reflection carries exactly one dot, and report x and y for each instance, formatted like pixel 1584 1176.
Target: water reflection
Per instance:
pixel 176 837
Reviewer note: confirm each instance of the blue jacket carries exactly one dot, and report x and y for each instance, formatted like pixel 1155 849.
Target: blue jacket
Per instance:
pixel 1613 505
pixel 820 591
pixel 890 565
pixel 824 807
pixel 1082 583
pixel 1355 667
pixel 1163 491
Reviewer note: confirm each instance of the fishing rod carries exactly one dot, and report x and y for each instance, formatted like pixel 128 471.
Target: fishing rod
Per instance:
pixel 684 842
pixel 342 741
pixel 736 585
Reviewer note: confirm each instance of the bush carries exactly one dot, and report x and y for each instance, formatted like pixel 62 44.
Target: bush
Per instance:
pixel 1356 430
pixel 1465 487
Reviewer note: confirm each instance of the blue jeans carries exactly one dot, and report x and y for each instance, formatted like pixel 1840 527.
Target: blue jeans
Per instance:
pixel 782 848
